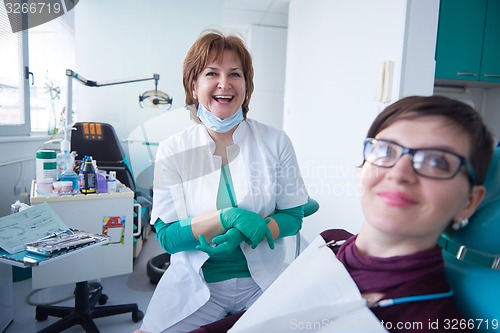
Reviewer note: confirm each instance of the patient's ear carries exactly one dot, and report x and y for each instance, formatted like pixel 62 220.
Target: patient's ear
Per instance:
pixel 476 195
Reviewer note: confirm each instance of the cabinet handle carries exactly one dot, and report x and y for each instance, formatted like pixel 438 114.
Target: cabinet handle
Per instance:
pixel 492 75
pixel 466 74
pixel 139 220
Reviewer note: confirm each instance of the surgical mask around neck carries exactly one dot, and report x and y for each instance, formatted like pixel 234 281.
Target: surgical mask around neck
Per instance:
pixel 216 124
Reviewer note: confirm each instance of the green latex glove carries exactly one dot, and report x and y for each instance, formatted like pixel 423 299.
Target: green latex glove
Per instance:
pixel 225 243
pixel 250 224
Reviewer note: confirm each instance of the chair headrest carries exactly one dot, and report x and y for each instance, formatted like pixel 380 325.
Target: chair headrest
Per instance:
pixel 484 225
pixel 492 181
pixel 476 285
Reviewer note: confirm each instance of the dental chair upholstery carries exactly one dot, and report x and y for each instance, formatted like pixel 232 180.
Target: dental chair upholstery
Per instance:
pixel 100 141
pixel 472 257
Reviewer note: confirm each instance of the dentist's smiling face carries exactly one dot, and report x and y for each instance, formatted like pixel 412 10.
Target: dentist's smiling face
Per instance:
pixel 220 87
pixel 398 202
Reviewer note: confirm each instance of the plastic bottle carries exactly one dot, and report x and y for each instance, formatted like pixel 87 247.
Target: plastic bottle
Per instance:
pixel 94 163
pixel 64 158
pixel 100 179
pixel 70 175
pixel 87 177
pixel 111 182
pixel 80 172
pixel 102 186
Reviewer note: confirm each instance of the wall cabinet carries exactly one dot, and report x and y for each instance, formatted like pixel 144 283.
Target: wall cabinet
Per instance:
pixel 468 41
pixel 490 65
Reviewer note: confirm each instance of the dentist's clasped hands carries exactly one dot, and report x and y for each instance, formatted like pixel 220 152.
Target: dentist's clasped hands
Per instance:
pixel 240 225
pixel 250 224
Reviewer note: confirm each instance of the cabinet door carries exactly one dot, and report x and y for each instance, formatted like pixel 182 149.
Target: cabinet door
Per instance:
pixel 460 39
pixel 490 67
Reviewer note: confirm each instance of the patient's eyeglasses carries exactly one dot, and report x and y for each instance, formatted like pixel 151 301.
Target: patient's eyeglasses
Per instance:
pixel 427 162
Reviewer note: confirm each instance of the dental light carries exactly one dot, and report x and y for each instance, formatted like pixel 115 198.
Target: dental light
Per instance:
pixel 151 98
pixel 155 98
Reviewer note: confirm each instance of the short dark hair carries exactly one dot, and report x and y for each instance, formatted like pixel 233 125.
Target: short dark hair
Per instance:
pixel 458 113
pixel 198 55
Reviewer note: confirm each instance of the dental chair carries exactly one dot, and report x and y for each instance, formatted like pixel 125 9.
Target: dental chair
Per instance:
pixel 472 258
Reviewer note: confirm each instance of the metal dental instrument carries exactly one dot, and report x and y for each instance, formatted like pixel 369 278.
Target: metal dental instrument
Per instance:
pixel 332 243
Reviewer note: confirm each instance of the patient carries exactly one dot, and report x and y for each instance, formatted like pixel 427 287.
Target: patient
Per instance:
pixel 425 159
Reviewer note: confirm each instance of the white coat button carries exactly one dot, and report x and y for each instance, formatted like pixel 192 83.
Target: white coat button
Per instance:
pixel 256 274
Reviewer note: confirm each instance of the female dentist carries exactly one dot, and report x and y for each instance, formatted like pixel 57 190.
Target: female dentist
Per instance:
pixel 227 190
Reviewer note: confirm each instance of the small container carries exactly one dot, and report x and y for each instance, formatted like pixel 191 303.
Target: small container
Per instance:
pixel 46 165
pixel 111 182
pixel 63 187
pixel 44 186
pixel 66 186
pixel 57 187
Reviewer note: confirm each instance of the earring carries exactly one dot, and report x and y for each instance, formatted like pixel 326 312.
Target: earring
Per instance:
pixel 461 223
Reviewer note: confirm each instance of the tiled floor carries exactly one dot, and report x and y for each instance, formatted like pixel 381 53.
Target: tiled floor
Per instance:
pixel 131 288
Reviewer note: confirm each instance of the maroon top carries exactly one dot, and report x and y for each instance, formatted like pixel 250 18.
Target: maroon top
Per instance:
pixel 417 274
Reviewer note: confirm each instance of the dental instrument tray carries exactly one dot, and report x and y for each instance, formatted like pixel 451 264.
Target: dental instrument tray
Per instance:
pixel 64 241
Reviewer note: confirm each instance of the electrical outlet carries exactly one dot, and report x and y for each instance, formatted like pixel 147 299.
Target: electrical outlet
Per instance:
pixel 17 190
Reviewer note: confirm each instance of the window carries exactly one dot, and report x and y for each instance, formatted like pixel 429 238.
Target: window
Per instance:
pixel 51 52
pixel 14 103
pixel 34 102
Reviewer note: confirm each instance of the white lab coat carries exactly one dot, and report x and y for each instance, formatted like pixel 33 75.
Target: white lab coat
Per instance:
pixel 265 176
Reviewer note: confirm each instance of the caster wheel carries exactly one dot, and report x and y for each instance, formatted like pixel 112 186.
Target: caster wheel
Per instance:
pixel 137 316
pixel 103 299
pixel 156 266
pixel 41 316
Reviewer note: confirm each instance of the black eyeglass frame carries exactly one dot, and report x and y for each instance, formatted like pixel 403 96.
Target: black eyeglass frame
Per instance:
pixel 471 172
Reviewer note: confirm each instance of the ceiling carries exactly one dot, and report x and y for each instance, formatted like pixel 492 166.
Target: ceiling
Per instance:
pixel 258 12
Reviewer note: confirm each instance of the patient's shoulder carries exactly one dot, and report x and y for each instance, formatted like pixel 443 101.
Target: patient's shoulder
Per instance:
pixel 335 234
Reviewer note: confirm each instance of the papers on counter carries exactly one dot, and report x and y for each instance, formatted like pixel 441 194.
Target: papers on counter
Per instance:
pixel 27 226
